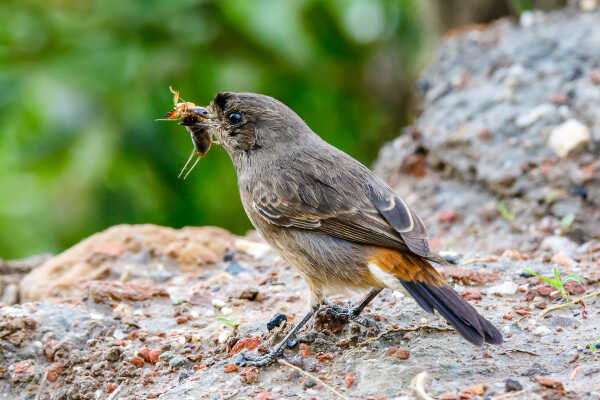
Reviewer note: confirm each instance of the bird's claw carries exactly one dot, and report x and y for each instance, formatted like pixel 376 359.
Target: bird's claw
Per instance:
pixel 245 359
pixel 349 313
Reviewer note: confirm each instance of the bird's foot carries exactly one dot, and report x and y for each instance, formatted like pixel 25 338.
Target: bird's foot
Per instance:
pixel 246 359
pixel 348 313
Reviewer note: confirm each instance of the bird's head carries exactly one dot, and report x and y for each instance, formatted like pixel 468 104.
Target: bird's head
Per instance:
pixel 249 122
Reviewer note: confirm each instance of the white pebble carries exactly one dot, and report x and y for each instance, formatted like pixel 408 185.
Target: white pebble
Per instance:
pixel 568 136
pixel 254 249
pixel 226 310
pixel 223 336
pixel 504 289
pixel 542 331
pixel 218 303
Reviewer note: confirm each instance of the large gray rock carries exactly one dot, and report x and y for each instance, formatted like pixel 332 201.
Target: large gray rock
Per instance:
pixel 510 113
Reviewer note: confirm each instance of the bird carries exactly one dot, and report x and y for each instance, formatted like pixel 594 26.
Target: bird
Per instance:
pixel 328 216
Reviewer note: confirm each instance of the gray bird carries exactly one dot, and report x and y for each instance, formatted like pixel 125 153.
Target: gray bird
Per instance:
pixel 328 216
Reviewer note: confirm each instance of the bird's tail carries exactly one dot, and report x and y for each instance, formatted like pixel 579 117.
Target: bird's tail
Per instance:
pixel 431 292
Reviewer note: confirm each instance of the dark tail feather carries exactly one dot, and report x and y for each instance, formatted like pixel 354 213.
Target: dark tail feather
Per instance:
pixel 460 314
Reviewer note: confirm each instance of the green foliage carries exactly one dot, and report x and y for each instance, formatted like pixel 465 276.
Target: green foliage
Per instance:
pixel 557 281
pixel 227 322
pixel 82 81
pixel 504 212
pixel 566 222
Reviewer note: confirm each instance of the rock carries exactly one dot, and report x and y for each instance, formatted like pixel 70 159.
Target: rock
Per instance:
pixel 234 268
pixel 229 368
pixel 504 289
pixel 96 256
pixel 471 294
pixel 53 371
pixel 349 379
pixel 276 321
pixel 137 361
pixel 177 362
pixel 10 295
pixel 512 385
pixel 255 249
pixel 563 259
pixel 133 291
pixel 555 244
pixel 542 330
pixel 568 136
pixel 246 343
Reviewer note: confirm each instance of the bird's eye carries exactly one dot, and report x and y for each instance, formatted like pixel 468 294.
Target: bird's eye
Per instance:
pixel 234 118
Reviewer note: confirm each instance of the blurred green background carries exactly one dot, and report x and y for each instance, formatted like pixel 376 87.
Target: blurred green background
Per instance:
pixel 81 82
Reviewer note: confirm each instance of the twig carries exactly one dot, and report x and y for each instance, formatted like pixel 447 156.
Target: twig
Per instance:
pixel 39 393
pixel 314 378
pixel 114 394
pixel 418 386
pixel 567 304
pixel 518 351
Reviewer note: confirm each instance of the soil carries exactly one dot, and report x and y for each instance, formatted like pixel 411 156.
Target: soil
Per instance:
pixel 156 313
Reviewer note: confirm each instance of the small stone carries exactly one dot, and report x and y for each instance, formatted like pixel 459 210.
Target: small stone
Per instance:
pixel 542 331
pixel 514 254
pixel 228 256
pixel 562 259
pixel 447 215
pixel 321 357
pixel 53 371
pixel 177 362
pixel 149 355
pixel 512 385
pixel 403 354
pixel 167 355
pixel 568 136
pixel 304 350
pixel 234 268
pixel 249 375
pixel 508 316
pixel 264 396
pixel 477 390
pixel 276 321
pixel 246 343
pixel 229 368
pixel 255 249
pixel 555 244
pixel 534 114
pixel 113 354
pixel 547 382
pixel 137 361
pixel 349 379
pixel 471 294
pixel 504 289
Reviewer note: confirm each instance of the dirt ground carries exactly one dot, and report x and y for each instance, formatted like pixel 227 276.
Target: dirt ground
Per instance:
pixel 156 313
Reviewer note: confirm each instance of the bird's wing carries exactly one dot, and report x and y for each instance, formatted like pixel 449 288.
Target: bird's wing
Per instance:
pixel 347 203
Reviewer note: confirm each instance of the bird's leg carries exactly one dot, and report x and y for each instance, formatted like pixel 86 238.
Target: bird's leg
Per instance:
pixel 353 313
pixel 244 359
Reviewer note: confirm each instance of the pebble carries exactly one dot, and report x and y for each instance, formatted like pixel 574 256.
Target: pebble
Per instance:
pixel 568 136
pixel 177 362
pixel 504 289
pixel 562 259
pixel 534 114
pixel 542 331
pixel 276 321
pixel 555 244
pixel 234 268
pixel 512 385
pixel 254 249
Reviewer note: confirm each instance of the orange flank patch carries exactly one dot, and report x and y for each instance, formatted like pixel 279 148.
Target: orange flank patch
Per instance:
pixel 406 266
